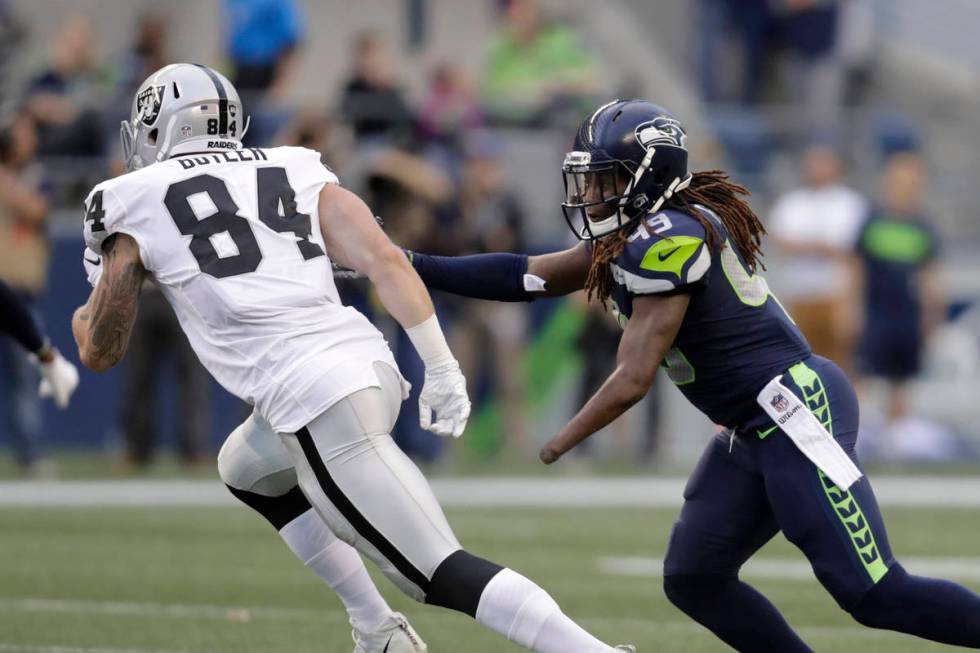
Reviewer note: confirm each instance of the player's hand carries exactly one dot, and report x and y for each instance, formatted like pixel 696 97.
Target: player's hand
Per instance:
pixel 93 266
pixel 444 392
pixel 59 378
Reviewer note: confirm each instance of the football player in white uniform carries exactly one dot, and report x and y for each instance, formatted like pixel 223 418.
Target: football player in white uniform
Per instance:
pixel 241 241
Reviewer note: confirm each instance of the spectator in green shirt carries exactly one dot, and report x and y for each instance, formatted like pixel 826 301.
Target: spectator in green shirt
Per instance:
pixel 535 68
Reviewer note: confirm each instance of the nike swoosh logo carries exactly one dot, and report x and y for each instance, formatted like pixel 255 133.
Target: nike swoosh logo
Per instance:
pixel 762 434
pixel 387 645
pixel 95 262
pixel 663 256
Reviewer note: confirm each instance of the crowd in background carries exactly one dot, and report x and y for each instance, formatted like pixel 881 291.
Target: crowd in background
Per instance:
pixel 864 290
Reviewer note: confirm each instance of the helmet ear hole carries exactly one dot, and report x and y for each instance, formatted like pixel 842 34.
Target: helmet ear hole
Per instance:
pixel 152 137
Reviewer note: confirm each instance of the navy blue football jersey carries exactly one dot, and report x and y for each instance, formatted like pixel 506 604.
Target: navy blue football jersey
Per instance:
pixel 735 336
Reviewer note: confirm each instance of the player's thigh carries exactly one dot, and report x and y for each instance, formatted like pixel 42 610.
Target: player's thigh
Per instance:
pixel 725 517
pixel 841 532
pixel 369 492
pixel 253 458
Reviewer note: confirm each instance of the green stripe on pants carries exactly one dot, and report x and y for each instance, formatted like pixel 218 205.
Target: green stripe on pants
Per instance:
pixel 844 504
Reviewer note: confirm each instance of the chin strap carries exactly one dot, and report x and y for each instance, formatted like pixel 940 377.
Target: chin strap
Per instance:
pixel 675 187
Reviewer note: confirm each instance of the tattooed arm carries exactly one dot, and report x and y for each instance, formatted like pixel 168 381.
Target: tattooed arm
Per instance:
pixel 103 325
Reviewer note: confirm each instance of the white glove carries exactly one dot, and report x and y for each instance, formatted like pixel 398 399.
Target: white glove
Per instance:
pixel 59 378
pixel 93 266
pixel 444 391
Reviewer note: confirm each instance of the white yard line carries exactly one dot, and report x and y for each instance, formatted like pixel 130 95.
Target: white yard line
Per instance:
pixel 626 492
pixel 33 648
pixel 177 610
pixel 795 570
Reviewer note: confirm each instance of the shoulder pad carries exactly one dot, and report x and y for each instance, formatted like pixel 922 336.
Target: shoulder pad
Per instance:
pixel 667 251
pixel 106 214
pixel 311 160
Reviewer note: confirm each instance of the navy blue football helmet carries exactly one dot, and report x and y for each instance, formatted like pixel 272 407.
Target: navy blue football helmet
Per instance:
pixel 628 158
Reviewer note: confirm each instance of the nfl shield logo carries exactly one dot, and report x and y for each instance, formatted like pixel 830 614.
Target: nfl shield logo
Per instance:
pixel 779 402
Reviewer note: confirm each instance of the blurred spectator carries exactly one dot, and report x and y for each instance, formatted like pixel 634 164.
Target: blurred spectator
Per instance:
pixel 898 276
pixel 12 34
pixel 450 112
pixel 537 69
pixel 147 54
pixel 814 228
pixel 24 267
pixel 156 341
pixel 372 102
pixel 597 344
pixel 815 75
pixel 490 338
pixel 450 109
pixel 752 25
pixel 62 97
pixel 263 36
pixel 747 40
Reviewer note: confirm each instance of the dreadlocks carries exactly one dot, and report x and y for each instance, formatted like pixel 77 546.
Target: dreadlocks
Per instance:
pixel 712 190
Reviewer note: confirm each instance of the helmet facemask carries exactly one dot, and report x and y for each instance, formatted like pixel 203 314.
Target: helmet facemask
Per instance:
pixel 603 197
pixel 594 195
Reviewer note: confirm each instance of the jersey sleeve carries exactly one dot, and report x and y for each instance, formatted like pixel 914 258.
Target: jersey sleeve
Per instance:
pixel 106 214
pixel 666 253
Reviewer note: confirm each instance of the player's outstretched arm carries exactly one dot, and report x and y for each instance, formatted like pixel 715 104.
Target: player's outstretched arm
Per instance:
pixel 103 325
pixel 649 334
pixel 16 321
pixel 59 378
pixel 505 277
pixel 354 240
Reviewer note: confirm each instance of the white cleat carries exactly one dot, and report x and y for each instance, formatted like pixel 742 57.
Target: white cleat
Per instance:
pixel 394 636
pixel 629 648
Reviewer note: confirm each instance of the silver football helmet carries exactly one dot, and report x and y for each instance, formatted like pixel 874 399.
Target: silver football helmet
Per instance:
pixel 181 108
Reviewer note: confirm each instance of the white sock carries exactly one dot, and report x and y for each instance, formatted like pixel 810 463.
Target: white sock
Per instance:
pixel 525 614
pixel 340 567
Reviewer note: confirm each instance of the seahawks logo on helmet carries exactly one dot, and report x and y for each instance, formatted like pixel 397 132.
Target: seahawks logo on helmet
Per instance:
pixel 148 104
pixel 661 129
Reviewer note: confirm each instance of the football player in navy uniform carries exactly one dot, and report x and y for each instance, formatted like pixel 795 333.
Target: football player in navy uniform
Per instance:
pixel 59 378
pixel 675 255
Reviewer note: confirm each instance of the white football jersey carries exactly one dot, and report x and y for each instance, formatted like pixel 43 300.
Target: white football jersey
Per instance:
pixel 233 240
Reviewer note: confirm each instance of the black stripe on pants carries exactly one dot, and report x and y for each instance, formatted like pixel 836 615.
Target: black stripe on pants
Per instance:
pixel 352 515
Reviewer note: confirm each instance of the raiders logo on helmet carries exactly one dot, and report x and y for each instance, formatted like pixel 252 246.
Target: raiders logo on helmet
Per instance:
pixel 661 130
pixel 148 104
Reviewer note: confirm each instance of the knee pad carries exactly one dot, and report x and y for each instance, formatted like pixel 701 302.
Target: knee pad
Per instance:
pixel 254 459
pixel 256 468
pixel 459 581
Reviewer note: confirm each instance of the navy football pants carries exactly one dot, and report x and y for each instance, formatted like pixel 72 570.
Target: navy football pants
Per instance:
pixel 744 491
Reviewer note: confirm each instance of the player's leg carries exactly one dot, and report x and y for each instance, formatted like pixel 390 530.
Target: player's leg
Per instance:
pixel 195 400
pixel 374 497
pixel 843 535
pixel 141 373
pixel 724 520
pixel 257 469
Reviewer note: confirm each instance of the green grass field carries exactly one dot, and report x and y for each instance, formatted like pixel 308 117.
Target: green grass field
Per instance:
pixel 194 580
